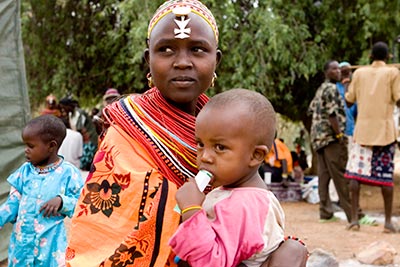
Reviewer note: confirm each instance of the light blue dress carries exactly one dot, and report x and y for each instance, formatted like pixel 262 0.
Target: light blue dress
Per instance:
pixel 36 240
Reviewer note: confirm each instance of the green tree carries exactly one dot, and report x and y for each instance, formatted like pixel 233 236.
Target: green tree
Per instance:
pixel 273 47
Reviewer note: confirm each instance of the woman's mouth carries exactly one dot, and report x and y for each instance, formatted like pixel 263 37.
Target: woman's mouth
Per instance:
pixel 183 81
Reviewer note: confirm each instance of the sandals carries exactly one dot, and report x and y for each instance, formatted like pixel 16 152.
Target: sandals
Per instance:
pixel 354 226
pixel 331 219
pixel 366 220
pixel 389 229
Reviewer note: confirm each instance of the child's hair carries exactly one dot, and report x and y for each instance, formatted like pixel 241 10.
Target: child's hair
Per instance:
pixel 260 111
pixel 49 128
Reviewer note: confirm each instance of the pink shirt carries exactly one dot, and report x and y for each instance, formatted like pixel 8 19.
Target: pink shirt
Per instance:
pixel 234 225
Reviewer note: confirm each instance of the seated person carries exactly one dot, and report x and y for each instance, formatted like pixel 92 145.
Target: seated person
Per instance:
pixel 279 162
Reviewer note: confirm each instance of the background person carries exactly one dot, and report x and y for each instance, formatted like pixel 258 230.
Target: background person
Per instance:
pixel 279 163
pixel 351 112
pixel 72 146
pixel 330 143
pixel 51 107
pixel 80 121
pixel 376 89
pixel 110 96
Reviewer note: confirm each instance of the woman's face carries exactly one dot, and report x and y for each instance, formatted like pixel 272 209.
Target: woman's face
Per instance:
pixel 182 69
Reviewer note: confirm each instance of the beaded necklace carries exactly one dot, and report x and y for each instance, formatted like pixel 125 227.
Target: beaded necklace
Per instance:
pixel 165 131
pixel 48 168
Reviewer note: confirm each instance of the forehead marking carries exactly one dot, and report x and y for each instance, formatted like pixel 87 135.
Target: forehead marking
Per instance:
pixel 182 32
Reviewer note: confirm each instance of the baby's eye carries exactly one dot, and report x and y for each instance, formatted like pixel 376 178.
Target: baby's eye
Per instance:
pixel 219 147
pixel 199 144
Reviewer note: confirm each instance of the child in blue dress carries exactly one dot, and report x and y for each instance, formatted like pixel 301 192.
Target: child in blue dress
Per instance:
pixel 44 190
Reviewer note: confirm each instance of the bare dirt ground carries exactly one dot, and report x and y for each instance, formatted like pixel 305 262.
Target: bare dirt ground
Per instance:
pixel 302 221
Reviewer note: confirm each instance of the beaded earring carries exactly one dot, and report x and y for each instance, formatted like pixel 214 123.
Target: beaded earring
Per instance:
pixel 149 80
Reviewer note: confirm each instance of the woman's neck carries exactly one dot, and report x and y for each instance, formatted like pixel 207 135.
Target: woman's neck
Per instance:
pixel 189 108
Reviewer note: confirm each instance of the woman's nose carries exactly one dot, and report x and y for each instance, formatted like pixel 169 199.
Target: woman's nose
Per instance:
pixel 183 60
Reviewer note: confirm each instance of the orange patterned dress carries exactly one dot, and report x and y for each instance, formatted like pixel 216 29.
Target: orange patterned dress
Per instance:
pixel 125 214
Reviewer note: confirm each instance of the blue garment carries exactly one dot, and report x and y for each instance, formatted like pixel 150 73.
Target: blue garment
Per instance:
pixel 36 240
pixel 351 112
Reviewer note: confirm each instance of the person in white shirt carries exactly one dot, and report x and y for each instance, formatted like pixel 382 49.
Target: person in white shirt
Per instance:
pixel 72 146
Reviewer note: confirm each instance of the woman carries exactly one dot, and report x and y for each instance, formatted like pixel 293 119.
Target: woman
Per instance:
pixel 125 214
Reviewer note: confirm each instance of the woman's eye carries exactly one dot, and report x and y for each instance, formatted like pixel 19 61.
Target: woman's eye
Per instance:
pixel 165 49
pixel 198 49
pixel 199 145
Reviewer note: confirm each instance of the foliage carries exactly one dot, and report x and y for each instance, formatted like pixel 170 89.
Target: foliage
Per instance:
pixel 83 47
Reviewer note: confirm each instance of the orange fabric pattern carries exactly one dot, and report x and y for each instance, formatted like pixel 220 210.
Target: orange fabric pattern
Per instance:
pixel 106 214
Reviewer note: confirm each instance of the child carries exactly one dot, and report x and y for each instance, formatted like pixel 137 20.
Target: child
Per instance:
pixel 240 220
pixel 43 191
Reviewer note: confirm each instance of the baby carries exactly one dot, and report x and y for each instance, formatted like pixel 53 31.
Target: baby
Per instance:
pixel 240 221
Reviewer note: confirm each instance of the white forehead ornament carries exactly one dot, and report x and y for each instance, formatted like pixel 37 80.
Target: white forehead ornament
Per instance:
pixel 182 32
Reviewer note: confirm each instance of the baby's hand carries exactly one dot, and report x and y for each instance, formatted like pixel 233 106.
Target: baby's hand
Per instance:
pixel 51 207
pixel 189 195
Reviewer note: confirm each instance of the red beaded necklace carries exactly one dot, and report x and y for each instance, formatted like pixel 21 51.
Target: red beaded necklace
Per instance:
pixel 165 131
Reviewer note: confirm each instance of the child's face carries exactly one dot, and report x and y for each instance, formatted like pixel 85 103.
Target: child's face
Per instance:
pixel 224 146
pixel 182 69
pixel 36 151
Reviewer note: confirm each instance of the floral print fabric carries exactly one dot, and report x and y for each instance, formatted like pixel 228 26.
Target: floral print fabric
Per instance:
pixel 36 240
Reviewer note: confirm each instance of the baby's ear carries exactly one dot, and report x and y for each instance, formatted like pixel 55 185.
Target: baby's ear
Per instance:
pixel 259 154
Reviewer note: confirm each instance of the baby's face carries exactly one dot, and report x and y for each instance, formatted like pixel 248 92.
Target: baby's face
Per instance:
pixel 224 145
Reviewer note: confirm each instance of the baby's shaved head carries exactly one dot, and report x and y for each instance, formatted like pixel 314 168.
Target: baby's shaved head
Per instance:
pixel 260 112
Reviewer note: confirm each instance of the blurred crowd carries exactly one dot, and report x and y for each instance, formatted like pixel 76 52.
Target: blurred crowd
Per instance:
pixel 83 127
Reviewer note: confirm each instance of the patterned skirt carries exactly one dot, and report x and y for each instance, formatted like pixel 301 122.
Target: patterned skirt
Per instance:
pixel 372 165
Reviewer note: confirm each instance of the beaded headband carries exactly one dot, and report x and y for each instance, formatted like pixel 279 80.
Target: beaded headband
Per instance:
pixel 189 6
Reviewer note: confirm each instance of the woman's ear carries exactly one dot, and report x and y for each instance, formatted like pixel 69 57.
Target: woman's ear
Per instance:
pixel 259 154
pixel 219 56
pixel 146 55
